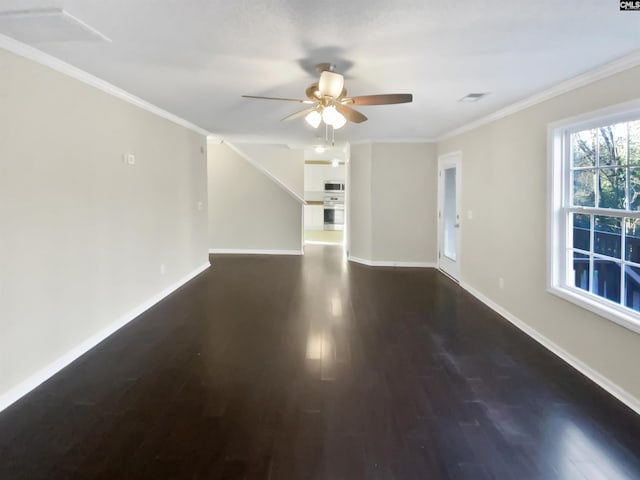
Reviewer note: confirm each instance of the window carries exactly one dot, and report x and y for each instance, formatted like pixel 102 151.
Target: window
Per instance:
pixel 595 213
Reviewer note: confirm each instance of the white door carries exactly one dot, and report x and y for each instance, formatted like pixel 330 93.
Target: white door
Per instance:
pixel 449 214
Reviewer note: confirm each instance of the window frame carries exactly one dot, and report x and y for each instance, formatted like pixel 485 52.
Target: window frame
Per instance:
pixel 559 208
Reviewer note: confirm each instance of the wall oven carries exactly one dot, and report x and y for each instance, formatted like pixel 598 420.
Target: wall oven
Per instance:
pixel 334 211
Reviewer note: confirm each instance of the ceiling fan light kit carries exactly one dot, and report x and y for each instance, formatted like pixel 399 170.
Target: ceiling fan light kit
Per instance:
pixel 330 103
pixel 313 118
pixel 332 117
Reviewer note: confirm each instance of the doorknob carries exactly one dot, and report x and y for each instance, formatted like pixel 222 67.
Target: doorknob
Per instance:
pixel 457 225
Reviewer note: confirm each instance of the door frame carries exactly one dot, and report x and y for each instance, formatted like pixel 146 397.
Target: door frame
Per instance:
pixel 447 161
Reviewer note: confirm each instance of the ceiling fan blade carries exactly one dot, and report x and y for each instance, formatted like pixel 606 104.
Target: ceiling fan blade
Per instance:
pixel 350 114
pixel 384 99
pixel 278 98
pixel 299 114
pixel 330 84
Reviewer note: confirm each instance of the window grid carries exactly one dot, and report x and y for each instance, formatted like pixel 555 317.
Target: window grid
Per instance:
pixel 627 196
pixel 623 256
pixel 579 185
pixel 596 182
pixel 621 161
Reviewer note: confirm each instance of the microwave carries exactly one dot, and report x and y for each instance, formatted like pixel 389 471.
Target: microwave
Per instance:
pixel 333 186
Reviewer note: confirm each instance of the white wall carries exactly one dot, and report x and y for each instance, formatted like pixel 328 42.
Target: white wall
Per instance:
pixel 247 209
pixel 359 202
pixel 393 203
pixel 504 184
pixel 284 163
pixel 82 234
pixel 404 203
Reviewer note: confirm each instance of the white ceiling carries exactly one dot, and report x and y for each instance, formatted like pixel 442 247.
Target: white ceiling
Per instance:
pixel 195 58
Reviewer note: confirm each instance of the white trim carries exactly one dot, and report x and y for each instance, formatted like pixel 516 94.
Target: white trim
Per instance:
pixel 555 142
pixel 249 251
pixel 445 161
pixel 558 195
pixel 84 25
pixel 363 261
pixel 264 171
pixel 614 389
pixel 24 387
pixel 54 12
pixel 610 114
pixel 620 65
pixel 446 274
pixel 391 263
pixel 317 242
pixel 616 313
pixel 38 56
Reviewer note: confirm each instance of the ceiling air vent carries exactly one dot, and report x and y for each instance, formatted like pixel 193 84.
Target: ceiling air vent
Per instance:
pixel 473 97
pixel 42 25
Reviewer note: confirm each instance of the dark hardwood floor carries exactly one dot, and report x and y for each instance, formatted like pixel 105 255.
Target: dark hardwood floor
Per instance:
pixel 312 368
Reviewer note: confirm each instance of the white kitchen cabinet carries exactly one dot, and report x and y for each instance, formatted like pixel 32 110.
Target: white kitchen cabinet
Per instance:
pixel 336 173
pixel 313 217
pixel 316 175
pixel 314 178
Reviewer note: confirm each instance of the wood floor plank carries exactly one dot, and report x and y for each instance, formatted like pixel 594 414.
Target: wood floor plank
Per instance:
pixel 277 367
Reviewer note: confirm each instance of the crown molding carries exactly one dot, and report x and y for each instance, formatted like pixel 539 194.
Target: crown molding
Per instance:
pixel 38 56
pixel 619 65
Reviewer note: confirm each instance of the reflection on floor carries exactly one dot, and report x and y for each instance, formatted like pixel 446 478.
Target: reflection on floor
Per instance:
pixel 310 367
pixel 324 236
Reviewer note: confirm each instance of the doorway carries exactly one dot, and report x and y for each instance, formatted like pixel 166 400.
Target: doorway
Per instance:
pixel 449 193
pixel 325 192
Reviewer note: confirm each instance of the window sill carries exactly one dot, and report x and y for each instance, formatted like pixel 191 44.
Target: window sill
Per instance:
pixel 605 309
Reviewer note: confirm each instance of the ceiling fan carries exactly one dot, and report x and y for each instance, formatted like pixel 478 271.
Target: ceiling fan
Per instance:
pixel 329 101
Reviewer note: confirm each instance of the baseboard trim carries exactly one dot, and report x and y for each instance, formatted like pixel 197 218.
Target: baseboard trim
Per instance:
pixel 20 390
pixel 248 251
pixel 391 263
pixel 614 389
